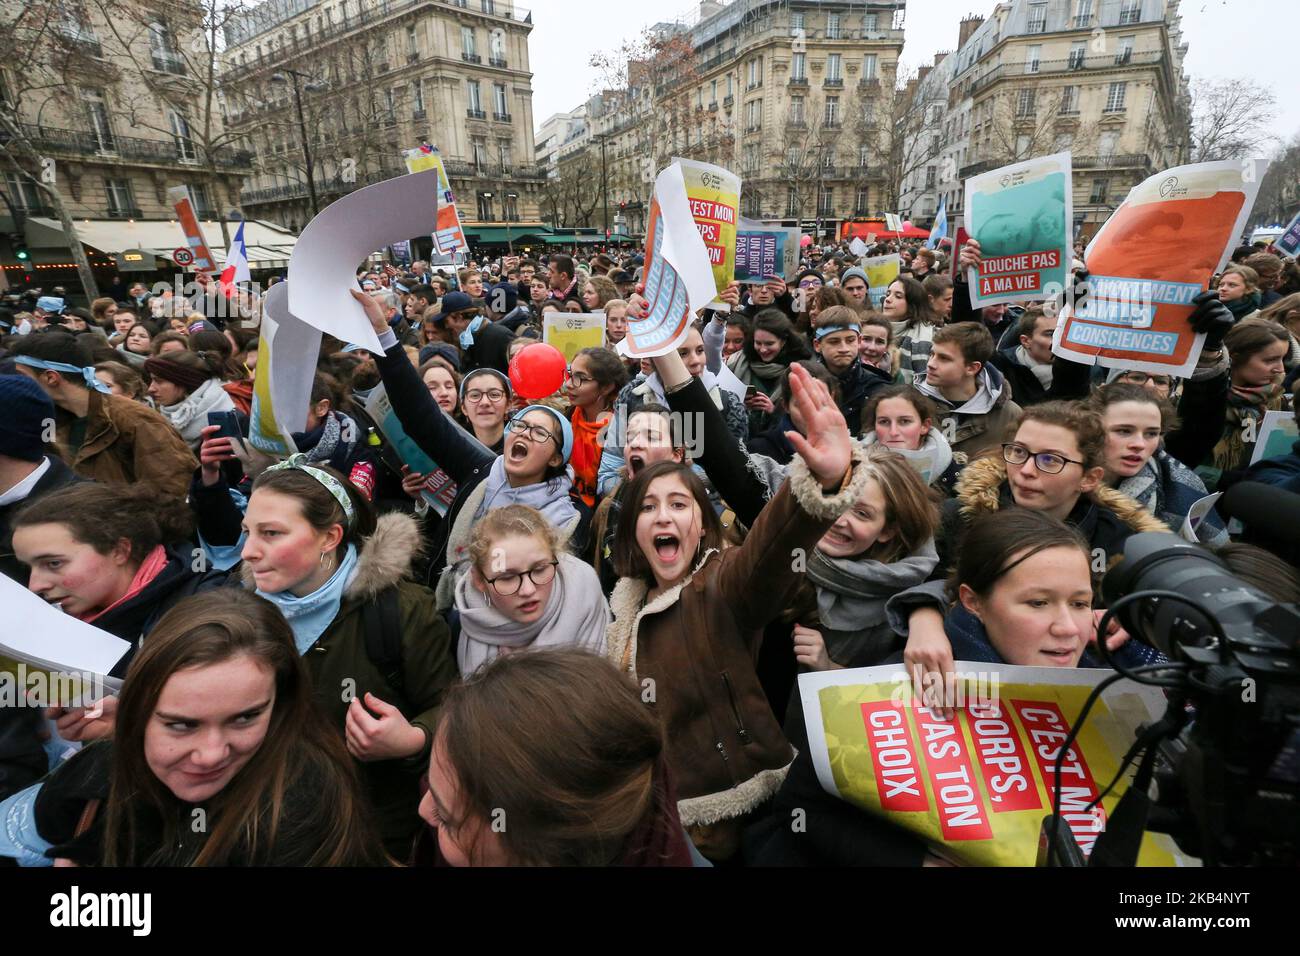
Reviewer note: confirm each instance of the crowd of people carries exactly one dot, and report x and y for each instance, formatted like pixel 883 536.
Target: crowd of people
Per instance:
pixel 576 642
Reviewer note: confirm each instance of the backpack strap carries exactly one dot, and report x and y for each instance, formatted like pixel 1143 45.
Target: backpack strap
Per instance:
pixel 381 620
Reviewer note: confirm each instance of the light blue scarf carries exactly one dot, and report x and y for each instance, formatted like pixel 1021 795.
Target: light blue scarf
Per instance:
pixel 309 616
pixel 467 337
pixel 551 498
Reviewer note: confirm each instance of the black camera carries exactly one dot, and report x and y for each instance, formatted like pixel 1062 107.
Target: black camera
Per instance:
pixel 1226 758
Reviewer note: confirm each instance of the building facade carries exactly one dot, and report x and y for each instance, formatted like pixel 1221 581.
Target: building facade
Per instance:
pixel 1101 78
pixel 794 95
pixel 358 81
pixel 110 116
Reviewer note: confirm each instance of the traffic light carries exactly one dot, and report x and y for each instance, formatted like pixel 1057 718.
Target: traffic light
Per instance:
pixel 20 250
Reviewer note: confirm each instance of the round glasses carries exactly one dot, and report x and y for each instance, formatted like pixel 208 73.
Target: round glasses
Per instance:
pixel 1047 462
pixel 579 379
pixel 536 432
pixel 1141 378
pixel 476 395
pixel 508 584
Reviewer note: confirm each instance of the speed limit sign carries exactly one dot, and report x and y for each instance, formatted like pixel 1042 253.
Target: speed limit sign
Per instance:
pixel 182 256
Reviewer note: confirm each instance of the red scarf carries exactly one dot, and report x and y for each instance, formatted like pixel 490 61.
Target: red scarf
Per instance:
pixel 586 455
pixel 149 569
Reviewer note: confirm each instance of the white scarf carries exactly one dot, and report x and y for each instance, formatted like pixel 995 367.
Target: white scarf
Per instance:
pixel 1042 370
pixel 190 415
pixel 576 615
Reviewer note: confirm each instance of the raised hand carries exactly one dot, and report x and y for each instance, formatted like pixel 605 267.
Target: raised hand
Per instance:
pixel 826 447
pixel 374 311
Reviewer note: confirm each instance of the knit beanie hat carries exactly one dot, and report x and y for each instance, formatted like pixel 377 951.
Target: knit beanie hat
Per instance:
pixel 164 368
pixel 27 409
pixel 857 273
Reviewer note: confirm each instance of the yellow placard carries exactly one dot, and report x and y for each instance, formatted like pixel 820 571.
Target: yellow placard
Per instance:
pixel 714 196
pixel 571 332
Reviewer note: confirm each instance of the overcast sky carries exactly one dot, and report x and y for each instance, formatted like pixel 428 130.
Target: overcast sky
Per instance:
pixel 1246 38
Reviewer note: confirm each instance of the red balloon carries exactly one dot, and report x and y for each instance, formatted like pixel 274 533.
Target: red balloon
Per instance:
pixel 537 371
pixel 805 241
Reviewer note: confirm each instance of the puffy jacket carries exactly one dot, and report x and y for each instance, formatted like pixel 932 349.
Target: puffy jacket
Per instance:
pixel 698 643
pixel 341 668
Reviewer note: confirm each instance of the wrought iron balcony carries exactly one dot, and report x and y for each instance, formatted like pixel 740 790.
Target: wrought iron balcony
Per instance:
pixel 85 144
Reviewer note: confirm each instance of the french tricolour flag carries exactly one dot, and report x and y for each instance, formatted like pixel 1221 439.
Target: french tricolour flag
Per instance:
pixel 236 269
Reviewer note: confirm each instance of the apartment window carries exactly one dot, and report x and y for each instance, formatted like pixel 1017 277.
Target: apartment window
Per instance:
pixel 467 47
pixel 509 206
pixel 699 98
pixel 161 49
pixel 750 158
pixel 1038 18
pixel 793 157
pixel 1106 143
pixel 1033 55
pixel 475 102
pixel 796 110
pixel 74 22
pixel 833 68
pixel 412 49
pixel 833 26
pixel 1070 100
pixel 202 204
pixel 121 200
pixel 499 100
pixel 181 137
pixel 485 207
pixel 1025 104
pixel 1124 53
pixel 713 92
pixel 97 116
pixel 796 24
pixel 864 155
pixel 826 201
pixel 832 111
pixel 417 96
pixel 504 156
pixel 791 202
pixel 1083 14
pixel 1100 189
pixel 753 114
pixel 860 200
pixel 730 91
pixel 479 151
pixel 870 22
pixel 869 67
pixel 488 6
pixel 1078 50
pixel 497 47
pixel 24 195
pixel 1130 11
pixel 931 177
pixel 828 159
pixel 1115 97
pixel 755 73
pixel 798 66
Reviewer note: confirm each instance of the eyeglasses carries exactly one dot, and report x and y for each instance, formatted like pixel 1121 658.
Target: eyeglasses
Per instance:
pixel 536 432
pixel 508 584
pixel 1141 378
pixel 579 379
pixel 1047 462
pixel 476 395
pixel 809 284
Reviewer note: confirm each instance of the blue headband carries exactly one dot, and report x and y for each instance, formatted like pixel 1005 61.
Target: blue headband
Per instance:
pixel 566 430
pixel 824 330
pixel 87 373
pixel 332 485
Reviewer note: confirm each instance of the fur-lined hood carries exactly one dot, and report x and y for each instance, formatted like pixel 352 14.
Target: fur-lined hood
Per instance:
pixel 980 486
pixel 383 559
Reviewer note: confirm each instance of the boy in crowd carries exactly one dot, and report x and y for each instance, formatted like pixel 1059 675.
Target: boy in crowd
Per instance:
pixel 975 403
pixel 836 342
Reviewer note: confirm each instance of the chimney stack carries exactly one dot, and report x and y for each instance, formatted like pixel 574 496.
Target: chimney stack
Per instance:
pixel 968 26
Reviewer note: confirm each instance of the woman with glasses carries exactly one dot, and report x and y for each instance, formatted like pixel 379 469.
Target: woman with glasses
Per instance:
pixel 595 378
pixel 523 590
pixel 531 470
pixel 485 396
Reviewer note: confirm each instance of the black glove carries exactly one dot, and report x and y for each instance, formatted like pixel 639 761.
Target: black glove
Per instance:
pixel 1075 293
pixel 1212 317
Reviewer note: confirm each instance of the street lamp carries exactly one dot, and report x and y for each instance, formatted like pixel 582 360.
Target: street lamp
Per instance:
pixel 312 87
pixel 510 198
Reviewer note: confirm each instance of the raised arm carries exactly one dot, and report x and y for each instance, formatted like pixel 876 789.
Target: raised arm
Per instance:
pixel 424 421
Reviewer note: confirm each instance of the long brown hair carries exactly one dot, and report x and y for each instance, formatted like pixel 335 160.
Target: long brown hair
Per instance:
pixel 247 821
pixel 561 743
pixel 629 561
pixel 318 505
pixel 911 508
